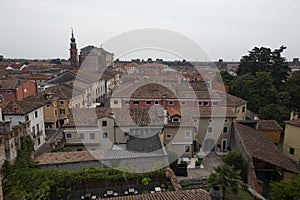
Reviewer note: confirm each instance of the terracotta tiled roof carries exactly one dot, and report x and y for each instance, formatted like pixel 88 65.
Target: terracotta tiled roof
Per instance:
pixel 269 125
pixel 10 83
pixel 262 148
pixel 67 157
pixel 17 107
pixel 232 101
pixel 153 91
pixel 172 112
pixel 86 116
pixel 294 122
pixel 138 116
pixel 197 194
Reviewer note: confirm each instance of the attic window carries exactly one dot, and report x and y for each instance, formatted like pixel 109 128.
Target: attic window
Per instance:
pixel 175 119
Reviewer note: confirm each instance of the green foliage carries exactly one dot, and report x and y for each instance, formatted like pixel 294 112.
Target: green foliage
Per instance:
pixel 292 92
pixel 32 183
pixel 274 111
pixel 286 190
pixel 145 181
pixel 198 161
pixel 6 169
pixel 184 163
pixel 24 159
pixel 237 161
pixel 265 60
pixel 258 91
pixel 225 177
pixel 61 149
pixel 224 77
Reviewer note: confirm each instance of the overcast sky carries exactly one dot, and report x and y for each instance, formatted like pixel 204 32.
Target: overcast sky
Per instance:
pixel 225 29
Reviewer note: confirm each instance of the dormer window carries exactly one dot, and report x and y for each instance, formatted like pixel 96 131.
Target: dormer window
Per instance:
pixel 175 119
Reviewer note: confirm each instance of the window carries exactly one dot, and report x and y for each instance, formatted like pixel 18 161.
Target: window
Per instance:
pixel 210 120
pixel 169 136
pixel 171 102
pixel 61 102
pixel 148 102
pixel 225 129
pixel 33 130
pixel 104 135
pixel 156 102
pixel 81 135
pixel 116 102
pixel 292 151
pixel 199 103
pixel 205 103
pixel 136 102
pixel 35 114
pixel 183 103
pixel 175 119
pixel 104 123
pixel 48 105
pixel 79 149
pixel 8 92
pixel 26 118
pixel 215 103
pixel 25 90
pixel 209 129
pixel 226 120
pixel 55 112
pixel 68 135
pixel 37 128
pixel 127 102
pixel 92 136
pixel 62 111
pixel 187 135
pixel 187 148
pixel 243 109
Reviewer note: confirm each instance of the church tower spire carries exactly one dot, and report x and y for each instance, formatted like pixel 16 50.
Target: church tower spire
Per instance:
pixel 73 51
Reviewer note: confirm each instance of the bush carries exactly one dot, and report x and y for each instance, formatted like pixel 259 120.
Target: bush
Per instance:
pixel 199 161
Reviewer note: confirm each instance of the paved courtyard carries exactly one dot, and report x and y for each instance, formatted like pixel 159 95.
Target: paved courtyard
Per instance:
pixel 209 162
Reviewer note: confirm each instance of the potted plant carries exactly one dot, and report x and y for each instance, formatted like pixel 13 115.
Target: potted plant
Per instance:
pixel 198 162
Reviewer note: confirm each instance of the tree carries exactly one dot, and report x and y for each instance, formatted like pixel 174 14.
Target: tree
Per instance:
pixel 274 111
pixel 24 159
pixel 292 92
pixel 265 60
pixel 286 190
pixel 237 161
pixel 225 177
pixel 224 77
pixel 258 90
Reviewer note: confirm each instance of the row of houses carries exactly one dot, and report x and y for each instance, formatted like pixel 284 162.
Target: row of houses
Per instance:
pixel 49 108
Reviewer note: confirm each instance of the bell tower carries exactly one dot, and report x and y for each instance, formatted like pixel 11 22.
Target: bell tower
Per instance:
pixel 73 52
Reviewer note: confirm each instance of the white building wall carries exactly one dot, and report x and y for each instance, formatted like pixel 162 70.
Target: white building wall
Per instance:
pixel 39 140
